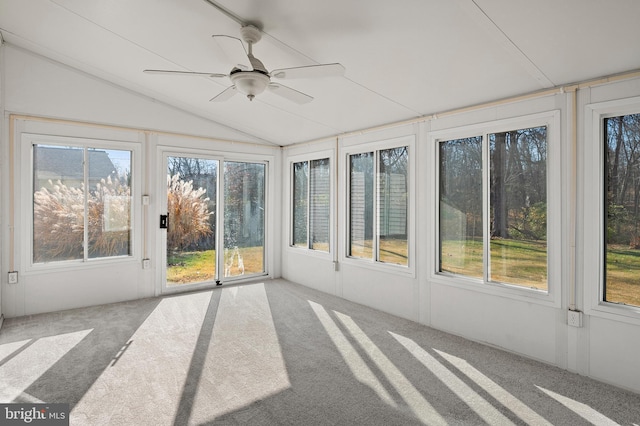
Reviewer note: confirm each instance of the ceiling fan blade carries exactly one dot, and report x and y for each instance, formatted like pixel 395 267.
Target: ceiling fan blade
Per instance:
pixel 192 73
pixel 311 71
pixel 289 93
pixel 234 51
pixel 226 94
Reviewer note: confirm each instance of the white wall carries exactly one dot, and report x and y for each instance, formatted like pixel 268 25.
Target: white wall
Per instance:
pixel 53 99
pixel 41 87
pixel 608 346
pixel 528 324
pixel 314 269
pixel 2 183
pixel 605 347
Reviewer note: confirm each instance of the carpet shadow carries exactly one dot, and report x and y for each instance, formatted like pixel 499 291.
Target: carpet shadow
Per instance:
pixel 341 363
pixel 460 381
pixel 323 390
pixel 109 329
pixel 198 361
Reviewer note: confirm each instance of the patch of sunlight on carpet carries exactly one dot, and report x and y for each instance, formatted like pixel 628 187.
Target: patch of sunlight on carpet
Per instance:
pixel 33 361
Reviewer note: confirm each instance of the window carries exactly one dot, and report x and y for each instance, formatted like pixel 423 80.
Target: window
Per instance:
pixel 378 205
pixel 82 205
pixel 622 209
pixel 493 207
pixel 461 229
pixel 311 204
pixel 300 204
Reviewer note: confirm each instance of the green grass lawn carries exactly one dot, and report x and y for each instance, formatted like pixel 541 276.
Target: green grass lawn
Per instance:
pixel 525 263
pixel 519 262
pixel 623 275
pixel 392 250
pixel 198 266
pixel 462 257
pixel 191 267
pixel 512 261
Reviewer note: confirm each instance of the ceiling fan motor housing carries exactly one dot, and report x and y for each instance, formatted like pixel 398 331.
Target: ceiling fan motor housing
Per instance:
pixel 250 83
pixel 250 34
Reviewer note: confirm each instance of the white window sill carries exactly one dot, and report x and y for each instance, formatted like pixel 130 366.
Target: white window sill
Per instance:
pixel 524 294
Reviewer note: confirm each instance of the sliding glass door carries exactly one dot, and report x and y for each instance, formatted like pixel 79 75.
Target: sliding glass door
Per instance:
pixel 192 188
pixel 215 220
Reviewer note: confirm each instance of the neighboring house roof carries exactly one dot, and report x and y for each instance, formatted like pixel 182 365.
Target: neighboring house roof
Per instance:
pixel 66 163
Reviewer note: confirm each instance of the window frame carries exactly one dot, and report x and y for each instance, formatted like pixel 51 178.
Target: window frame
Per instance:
pixel 408 141
pixel 163 150
pixel 319 155
pixel 222 197
pixel 308 204
pixel 550 119
pixel 595 209
pixel 163 195
pixel 28 140
pixel 292 239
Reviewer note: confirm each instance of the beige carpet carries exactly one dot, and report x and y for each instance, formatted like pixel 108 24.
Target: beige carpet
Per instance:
pixel 274 353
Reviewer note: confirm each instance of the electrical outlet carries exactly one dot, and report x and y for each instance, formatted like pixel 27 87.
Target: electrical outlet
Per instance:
pixel 13 277
pixel 146 263
pixel 574 319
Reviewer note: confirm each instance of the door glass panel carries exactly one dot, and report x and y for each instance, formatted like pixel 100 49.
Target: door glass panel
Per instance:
pixel 191 205
pixel 244 219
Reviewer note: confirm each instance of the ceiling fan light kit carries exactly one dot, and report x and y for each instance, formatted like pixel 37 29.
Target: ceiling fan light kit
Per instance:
pixel 252 81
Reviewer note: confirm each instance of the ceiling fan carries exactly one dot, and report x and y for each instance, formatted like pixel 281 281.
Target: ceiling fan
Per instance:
pixel 251 78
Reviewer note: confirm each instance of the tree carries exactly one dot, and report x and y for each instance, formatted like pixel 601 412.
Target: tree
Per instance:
pixel 518 182
pixel 461 186
pixel 498 187
pixel 622 160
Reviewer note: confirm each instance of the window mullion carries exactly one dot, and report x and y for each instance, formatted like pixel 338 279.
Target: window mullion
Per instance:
pixel 309 204
pixel 292 208
pixel 486 208
pixel 85 236
pixel 219 241
pixel 376 206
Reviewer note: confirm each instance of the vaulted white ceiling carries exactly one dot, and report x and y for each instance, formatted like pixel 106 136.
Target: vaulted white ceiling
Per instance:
pixel 403 58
